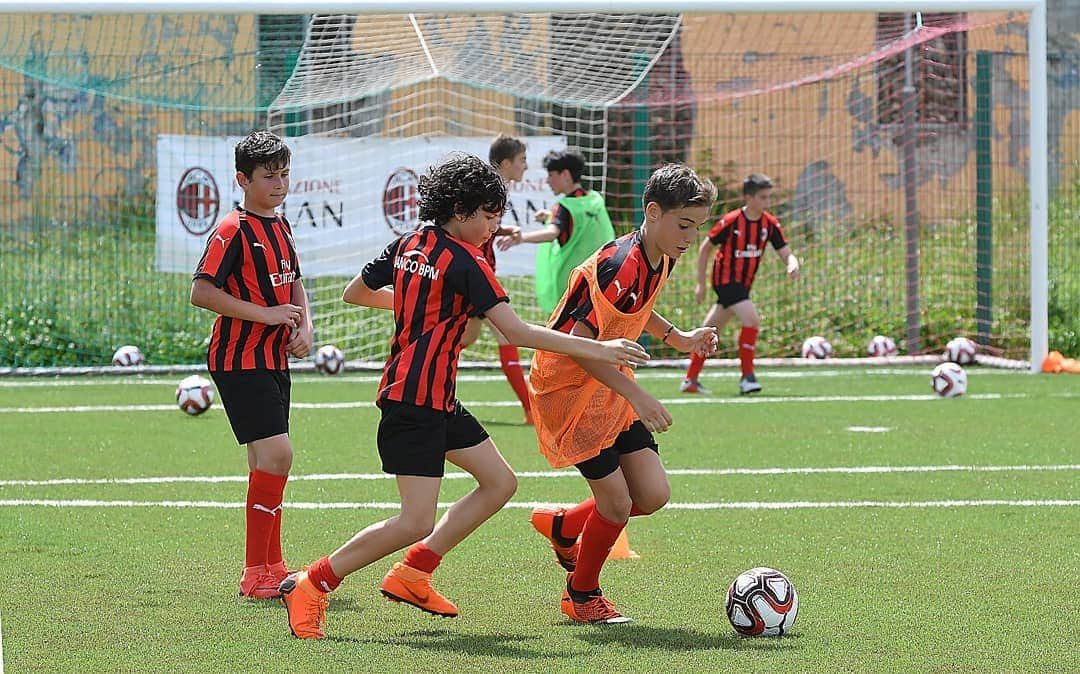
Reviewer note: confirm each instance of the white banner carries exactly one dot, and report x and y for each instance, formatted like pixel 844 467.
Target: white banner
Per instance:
pixel 348 198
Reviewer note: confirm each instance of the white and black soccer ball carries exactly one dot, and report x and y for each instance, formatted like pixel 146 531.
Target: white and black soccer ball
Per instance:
pixel 817 347
pixel 128 356
pixel 960 350
pixel 329 359
pixel 881 346
pixel 195 394
pixel 762 602
pixel 949 380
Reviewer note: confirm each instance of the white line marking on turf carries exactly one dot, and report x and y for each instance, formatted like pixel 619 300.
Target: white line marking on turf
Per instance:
pixel 113 380
pixel 324 477
pixel 869 429
pixel 696 400
pixel 389 505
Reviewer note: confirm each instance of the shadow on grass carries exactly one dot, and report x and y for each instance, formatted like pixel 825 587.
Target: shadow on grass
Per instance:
pixel 495 645
pixel 676 639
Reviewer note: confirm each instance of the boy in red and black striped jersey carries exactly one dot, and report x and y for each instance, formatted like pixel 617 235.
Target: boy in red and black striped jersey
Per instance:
pixel 434 280
pixel 507 155
pixel 596 417
pixel 250 276
pixel 741 236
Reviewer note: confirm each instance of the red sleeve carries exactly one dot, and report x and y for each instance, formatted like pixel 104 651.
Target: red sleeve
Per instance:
pixel 776 236
pixel 223 253
pixel 719 232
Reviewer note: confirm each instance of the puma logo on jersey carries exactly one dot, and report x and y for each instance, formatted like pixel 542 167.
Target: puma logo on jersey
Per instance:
pixel 224 242
pixel 256 244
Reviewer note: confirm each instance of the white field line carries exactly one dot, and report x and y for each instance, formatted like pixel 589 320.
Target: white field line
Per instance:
pixel 389 505
pixel 695 400
pixel 869 429
pixel 324 477
pixel 113 380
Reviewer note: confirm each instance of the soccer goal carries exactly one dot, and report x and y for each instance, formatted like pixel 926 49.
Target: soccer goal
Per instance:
pixel 909 149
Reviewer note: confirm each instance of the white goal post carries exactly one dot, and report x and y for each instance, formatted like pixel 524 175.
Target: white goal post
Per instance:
pixel 1038 176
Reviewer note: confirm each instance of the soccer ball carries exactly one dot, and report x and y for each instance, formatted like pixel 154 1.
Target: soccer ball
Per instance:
pixel 949 380
pixel 816 347
pixel 329 359
pixel 128 356
pixel 881 346
pixel 762 602
pixel 195 394
pixel 960 350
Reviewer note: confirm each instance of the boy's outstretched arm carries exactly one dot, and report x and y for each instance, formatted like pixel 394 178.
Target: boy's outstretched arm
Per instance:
pixel 519 333
pixel 790 260
pixel 701 341
pixel 651 411
pixel 358 293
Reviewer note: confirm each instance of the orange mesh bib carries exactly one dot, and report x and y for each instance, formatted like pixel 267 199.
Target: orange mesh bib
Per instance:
pixel 575 415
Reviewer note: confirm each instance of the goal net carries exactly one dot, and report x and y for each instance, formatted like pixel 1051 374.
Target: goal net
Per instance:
pixel 897 143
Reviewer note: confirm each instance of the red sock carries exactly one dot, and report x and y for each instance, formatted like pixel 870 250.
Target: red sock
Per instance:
pixel 263 507
pixel 747 348
pixel 637 512
pixel 322 576
pixel 273 550
pixel 696 363
pixel 421 558
pixel 597 538
pixel 515 374
pixel 573 520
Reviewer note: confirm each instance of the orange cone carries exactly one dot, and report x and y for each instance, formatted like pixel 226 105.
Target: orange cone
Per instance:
pixel 621 549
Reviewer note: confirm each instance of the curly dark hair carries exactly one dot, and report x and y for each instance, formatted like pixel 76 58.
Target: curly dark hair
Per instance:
pixel 678 186
pixel 460 184
pixel 261 148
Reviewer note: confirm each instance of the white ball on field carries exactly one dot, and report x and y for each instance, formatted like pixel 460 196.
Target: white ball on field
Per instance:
pixel 195 394
pixel 762 602
pixel 881 346
pixel 960 350
pixel 128 356
pixel 949 380
pixel 329 359
pixel 817 347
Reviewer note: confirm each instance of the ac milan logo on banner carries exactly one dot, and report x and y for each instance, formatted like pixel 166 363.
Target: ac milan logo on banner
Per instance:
pixel 197 200
pixel 399 201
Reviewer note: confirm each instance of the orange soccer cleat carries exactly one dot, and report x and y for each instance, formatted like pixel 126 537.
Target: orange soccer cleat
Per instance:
pixel 548 521
pixel 259 582
pixel 403 583
pixel 590 607
pixel 306 605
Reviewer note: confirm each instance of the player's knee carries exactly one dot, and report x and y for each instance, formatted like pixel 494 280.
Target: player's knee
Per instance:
pixel 415 528
pixel 653 501
pixel 615 509
pixel 506 486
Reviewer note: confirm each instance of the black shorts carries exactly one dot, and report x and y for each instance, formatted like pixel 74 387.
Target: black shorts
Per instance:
pixel 414 440
pixel 633 439
pixel 256 402
pixel 731 293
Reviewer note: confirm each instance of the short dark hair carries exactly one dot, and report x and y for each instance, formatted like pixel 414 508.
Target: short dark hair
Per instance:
pixel 755 182
pixel 504 147
pixel 678 186
pixel 261 148
pixel 460 184
pixel 565 160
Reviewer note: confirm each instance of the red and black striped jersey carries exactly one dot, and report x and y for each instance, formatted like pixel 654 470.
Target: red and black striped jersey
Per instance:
pixel 624 276
pixel 742 243
pixel 253 259
pixel 564 219
pixel 439 283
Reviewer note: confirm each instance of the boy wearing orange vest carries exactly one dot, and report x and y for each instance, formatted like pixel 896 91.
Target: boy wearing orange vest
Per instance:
pixel 594 416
